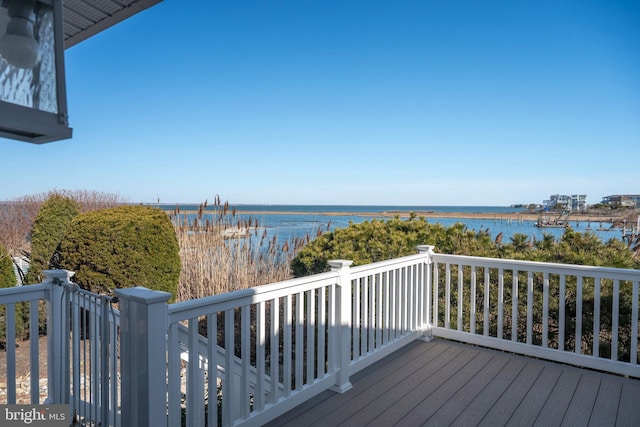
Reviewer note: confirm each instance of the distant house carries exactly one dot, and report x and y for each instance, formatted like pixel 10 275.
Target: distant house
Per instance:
pixel 622 200
pixel 575 202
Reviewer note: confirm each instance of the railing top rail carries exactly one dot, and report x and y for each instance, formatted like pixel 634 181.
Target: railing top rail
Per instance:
pixel 74 288
pixel 387 264
pixel 24 293
pixel 189 309
pixel 580 270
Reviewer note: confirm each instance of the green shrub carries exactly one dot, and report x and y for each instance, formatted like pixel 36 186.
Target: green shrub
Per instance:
pixel 379 240
pixel 122 247
pixel 7 275
pixel 49 228
pixel 8 280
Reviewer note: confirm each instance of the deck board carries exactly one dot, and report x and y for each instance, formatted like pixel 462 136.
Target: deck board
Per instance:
pixel 425 388
pixel 502 411
pixel 581 406
pixel 368 384
pixel 607 402
pixel 431 376
pixel 536 397
pixel 482 404
pixel 447 413
pixel 377 385
pixel 559 399
pixel 446 383
pixel 628 414
pixel 426 408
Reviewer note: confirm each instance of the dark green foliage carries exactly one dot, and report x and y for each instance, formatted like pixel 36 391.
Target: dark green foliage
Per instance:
pixel 8 280
pixel 378 240
pixel 122 247
pixel 49 228
pixel 572 248
pixel 7 276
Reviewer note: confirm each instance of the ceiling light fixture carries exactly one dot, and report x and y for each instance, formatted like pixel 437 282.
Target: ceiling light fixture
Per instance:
pixel 33 100
pixel 18 45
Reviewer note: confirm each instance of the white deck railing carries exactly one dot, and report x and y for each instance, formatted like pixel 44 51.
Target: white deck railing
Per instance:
pixel 581 315
pixel 29 297
pixel 245 357
pixel 81 348
pixel 291 340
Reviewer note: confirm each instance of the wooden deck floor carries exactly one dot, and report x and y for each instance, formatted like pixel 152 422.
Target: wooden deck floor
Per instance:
pixel 441 383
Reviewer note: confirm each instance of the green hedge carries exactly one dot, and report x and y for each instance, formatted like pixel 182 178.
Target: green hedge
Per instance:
pixel 7 275
pixel 122 247
pixel 379 240
pixel 49 228
pixel 8 280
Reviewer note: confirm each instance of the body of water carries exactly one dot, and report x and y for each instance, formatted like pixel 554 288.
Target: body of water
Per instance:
pixel 294 221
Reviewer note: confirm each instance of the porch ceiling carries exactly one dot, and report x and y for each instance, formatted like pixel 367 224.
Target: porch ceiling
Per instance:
pixel 86 18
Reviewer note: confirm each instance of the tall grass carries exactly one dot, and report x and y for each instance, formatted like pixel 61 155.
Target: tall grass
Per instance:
pixel 220 252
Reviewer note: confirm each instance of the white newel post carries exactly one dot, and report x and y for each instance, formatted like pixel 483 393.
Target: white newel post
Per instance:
pixel 426 315
pixel 342 348
pixel 58 330
pixel 143 364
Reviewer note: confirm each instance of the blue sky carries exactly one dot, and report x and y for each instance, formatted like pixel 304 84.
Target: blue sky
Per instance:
pixel 423 102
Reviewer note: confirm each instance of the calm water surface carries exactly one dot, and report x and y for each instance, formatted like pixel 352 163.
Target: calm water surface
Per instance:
pixel 301 220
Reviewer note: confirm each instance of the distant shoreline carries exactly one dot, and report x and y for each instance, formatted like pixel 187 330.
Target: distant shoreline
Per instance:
pixel 513 216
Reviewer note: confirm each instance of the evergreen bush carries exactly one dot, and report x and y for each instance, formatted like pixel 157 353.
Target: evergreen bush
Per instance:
pixel 379 240
pixel 8 280
pixel 122 247
pixel 7 275
pixel 49 228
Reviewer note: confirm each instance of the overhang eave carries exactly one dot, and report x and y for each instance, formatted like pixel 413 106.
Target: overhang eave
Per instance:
pixel 86 18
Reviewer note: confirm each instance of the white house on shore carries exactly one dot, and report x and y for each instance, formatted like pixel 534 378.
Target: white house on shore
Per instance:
pixel 622 200
pixel 572 203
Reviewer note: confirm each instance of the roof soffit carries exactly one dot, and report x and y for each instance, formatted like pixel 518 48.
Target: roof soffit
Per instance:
pixel 86 18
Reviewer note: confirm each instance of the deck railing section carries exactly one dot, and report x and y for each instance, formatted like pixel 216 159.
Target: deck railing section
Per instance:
pixel 255 350
pixel 581 315
pixel 12 302
pixel 94 368
pixel 82 341
pixel 389 306
pixel 245 357
pixel 276 346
